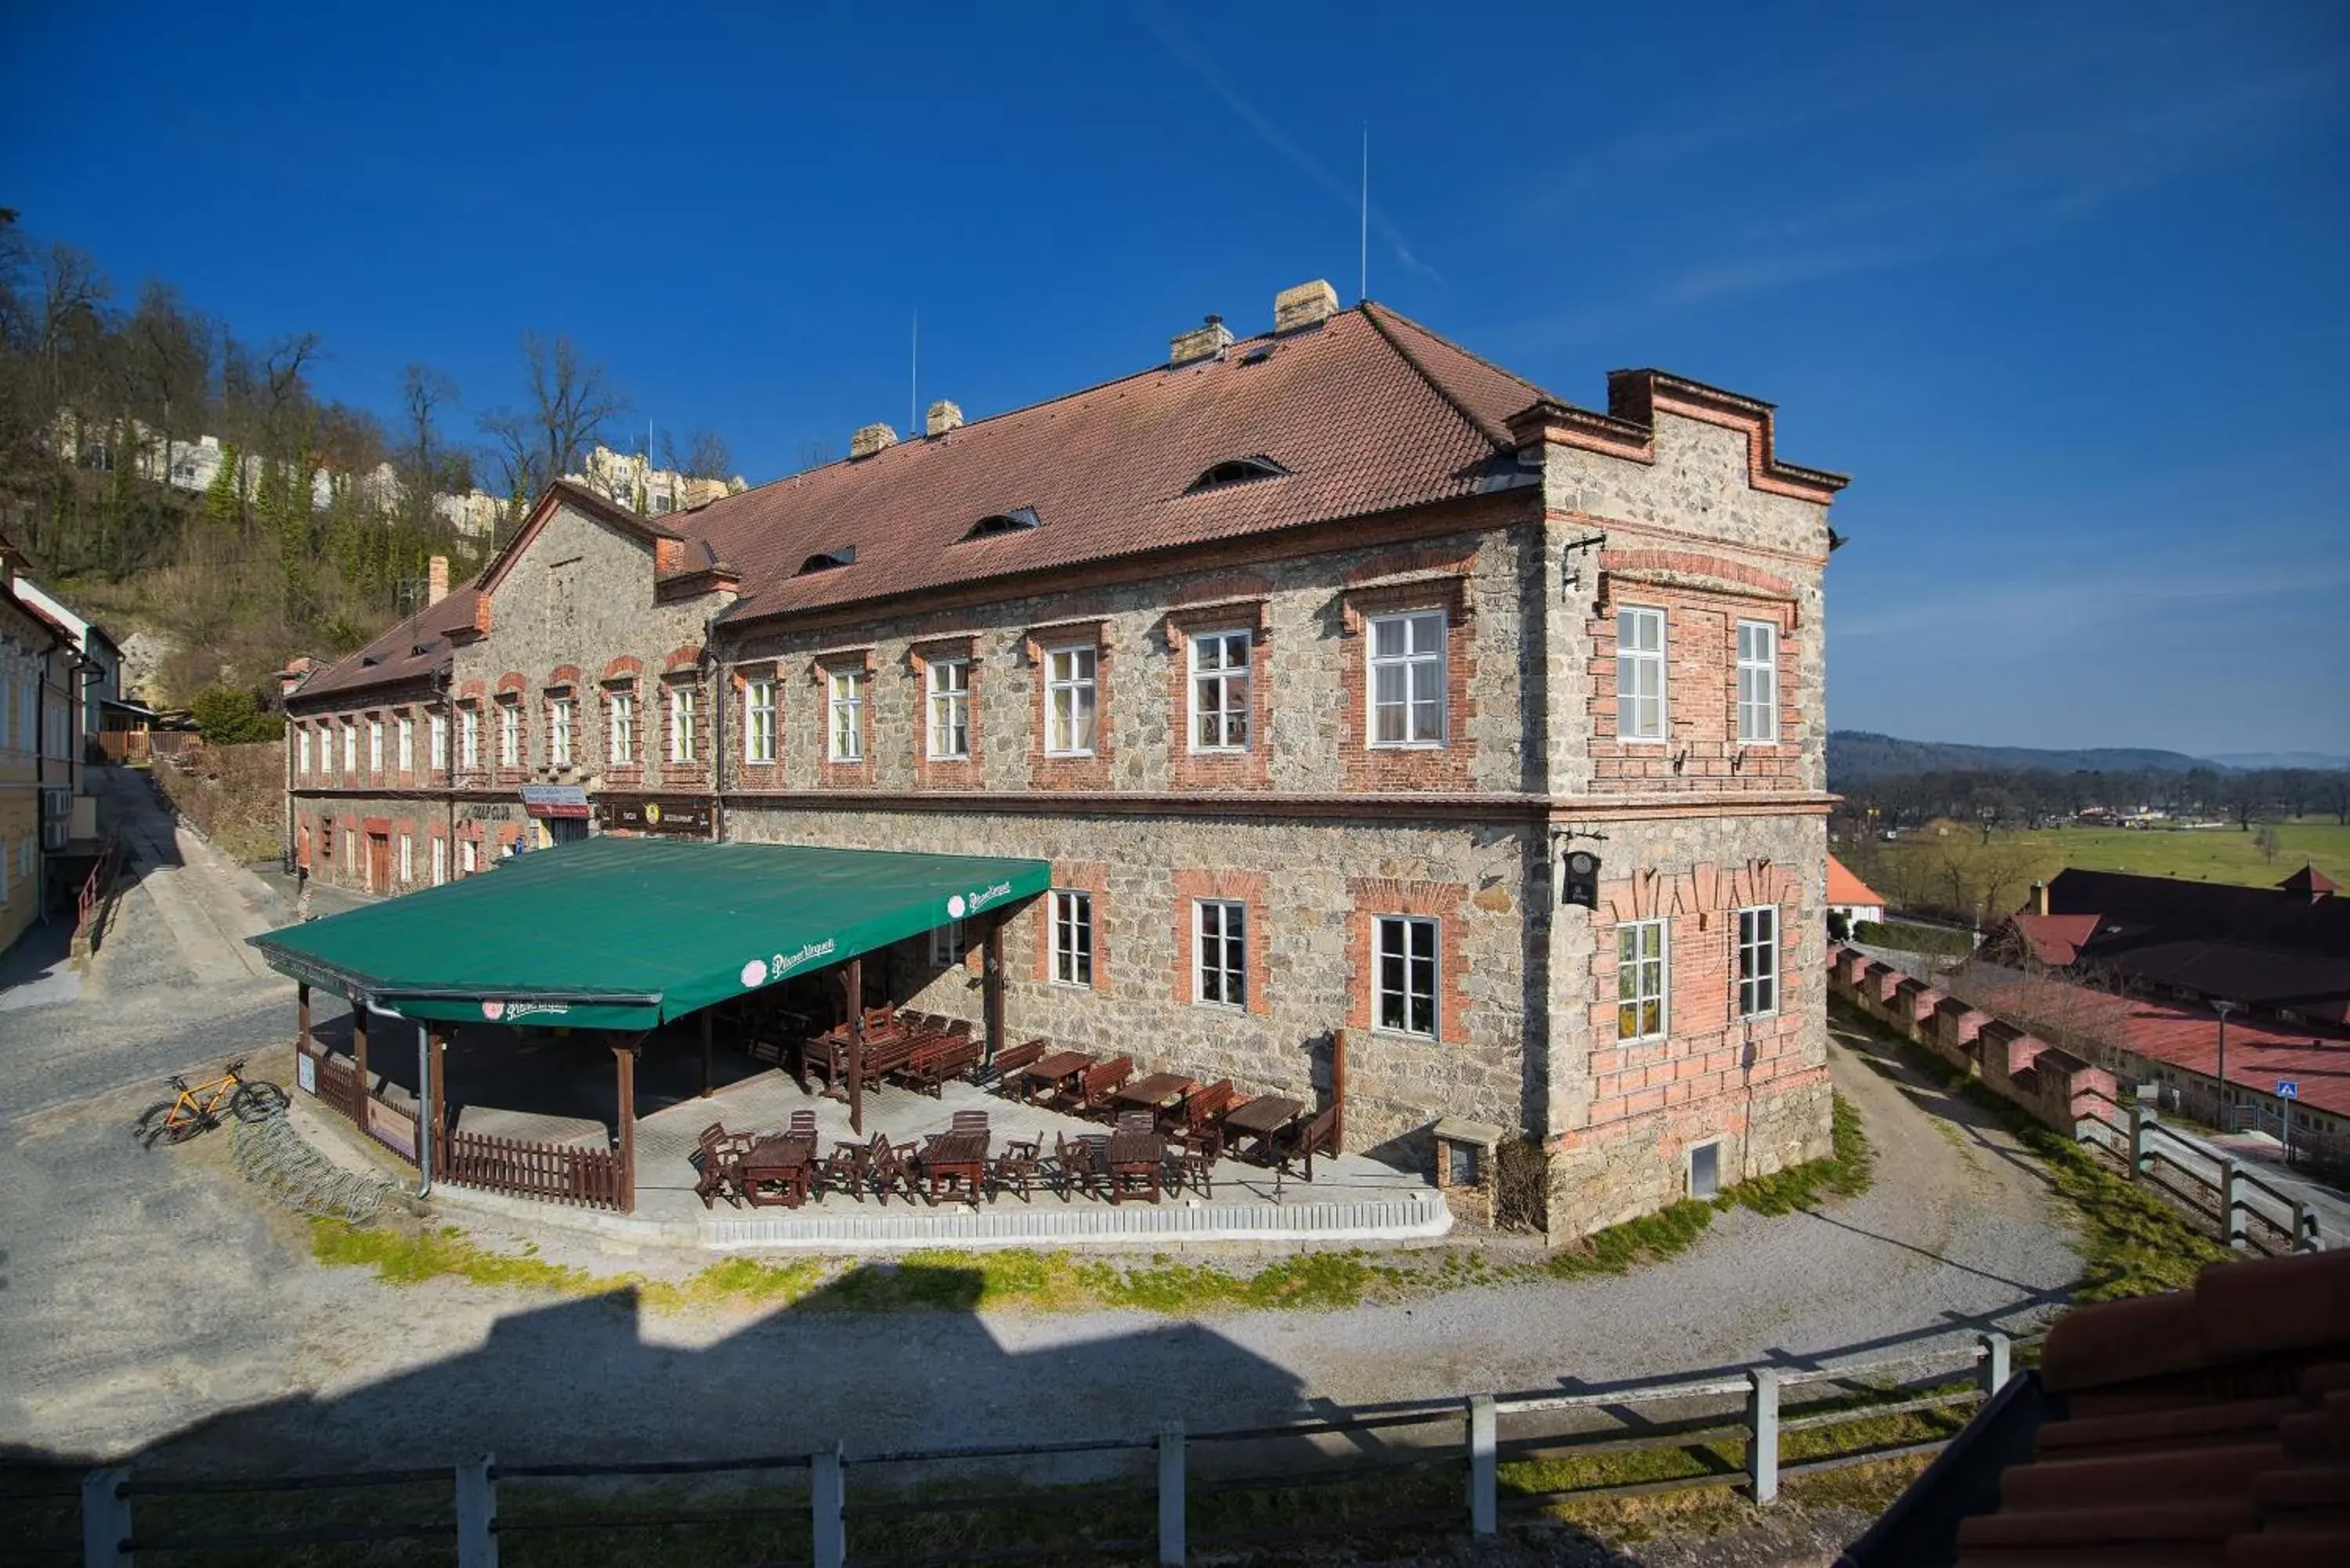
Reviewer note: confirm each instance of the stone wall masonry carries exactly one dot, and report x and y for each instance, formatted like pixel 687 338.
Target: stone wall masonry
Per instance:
pixel 1312 877
pixel 2056 1087
pixel 1308 655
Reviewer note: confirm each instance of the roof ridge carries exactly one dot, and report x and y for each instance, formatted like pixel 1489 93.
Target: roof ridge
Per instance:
pixel 1372 313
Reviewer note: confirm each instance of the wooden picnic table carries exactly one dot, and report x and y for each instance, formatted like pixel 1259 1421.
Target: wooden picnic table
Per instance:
pixel 1053 1069
pixel 779 1159
pixel 1155 1093
pixel 952 1156
pixel 1261 1118
pixel 1135 1156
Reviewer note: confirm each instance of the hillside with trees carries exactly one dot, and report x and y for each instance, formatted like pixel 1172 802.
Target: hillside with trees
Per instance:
pixel 298 545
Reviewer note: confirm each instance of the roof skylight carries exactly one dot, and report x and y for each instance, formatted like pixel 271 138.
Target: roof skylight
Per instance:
pixel 1019 519
pixel 829 560
pixel 1237 470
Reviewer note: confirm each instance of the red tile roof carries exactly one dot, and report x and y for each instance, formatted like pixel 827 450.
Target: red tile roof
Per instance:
pixel 2210 1426
pixel 1367 412
pixel 1844 887
pixel 411 649
pixel 2057 939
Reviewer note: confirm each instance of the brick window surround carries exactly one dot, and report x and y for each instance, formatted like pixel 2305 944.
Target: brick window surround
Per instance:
pixel 1369 767
pixel 512 688
pixel 1091 878
pixel 630 768
pixel 1220 770
pixel 1440 901
pixel 582 751
pixel 1048 772
pixel 696 771
pixel 967 772
pixel 1245 888
pixel 832 773
pixel 1703 599
pixel 747 773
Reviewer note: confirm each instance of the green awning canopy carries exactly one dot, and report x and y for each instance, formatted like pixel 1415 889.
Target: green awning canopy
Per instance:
pixel 627 933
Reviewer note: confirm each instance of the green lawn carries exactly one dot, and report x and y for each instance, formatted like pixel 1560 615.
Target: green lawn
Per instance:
pixel 2211 853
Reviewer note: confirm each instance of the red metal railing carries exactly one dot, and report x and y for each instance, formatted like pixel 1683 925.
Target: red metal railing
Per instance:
pixel 94 889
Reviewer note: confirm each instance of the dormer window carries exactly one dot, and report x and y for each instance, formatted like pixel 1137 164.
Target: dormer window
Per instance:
pixel 1019 519
pixel 829 560
pixel 1237 470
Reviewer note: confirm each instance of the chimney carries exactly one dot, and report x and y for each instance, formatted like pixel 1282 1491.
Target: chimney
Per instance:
pixel 436 580
pixel 2040 897
pixel 1204 341
pixel 870 438
pixel 944 416
pixel 1307 305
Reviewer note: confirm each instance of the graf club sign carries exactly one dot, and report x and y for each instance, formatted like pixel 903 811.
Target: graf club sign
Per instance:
pixel 682 815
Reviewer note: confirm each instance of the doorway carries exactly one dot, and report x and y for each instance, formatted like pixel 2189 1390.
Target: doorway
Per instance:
pixel 378 872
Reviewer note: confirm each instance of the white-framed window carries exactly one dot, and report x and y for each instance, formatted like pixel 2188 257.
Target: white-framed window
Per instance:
pixel 1640 980
pixel 469 738
pixel 1407 975
pixel 684 723
pixel 759 720
pixel 1220 950
pixel 407 859
pixel 1758 961
pixel 845 696
pixel 375 745
pixel 468 859
pixel 302 750
pixel 950 706
pixel 1406 653
pixel 1073 937
pixel 509 732
pixel 404 743
pixel 436 740
pixel 351 851
pixel 559 712
pixel 948 944
pixel 1220 691
pixel 621 728
pixel 351 747
pixel 439 861
pixel 1757 682
pixel 1639 674
pixel 1070 700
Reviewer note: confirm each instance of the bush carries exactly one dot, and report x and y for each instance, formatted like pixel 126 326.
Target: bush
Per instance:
pixel 1913 939
pixel 227 717
pixel 1839 925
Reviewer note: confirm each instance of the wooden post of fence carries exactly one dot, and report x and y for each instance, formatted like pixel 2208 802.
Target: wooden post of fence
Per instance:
pixel 302 1017
pixel 2229 1232
pixel 2304 1226
pixel 1991 1371
pixel 105 1518
pixel 1762 1424
pixel 1485 1503
pixel 1171 1501
pixel 359 1057
pixel 827 1495
pixel 2137 1140
pixel 477 1513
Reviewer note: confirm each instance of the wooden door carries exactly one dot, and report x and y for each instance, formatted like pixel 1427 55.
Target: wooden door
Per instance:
pixel 379 863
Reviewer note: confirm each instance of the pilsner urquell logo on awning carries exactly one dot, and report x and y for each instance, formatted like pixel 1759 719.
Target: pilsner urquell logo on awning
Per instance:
pixel 986 896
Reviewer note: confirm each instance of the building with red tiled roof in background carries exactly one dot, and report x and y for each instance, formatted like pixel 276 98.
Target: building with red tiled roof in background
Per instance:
pixel 1303 658
pixel 1850 897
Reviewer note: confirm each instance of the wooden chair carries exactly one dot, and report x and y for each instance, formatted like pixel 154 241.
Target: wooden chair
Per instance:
pixel 1297 1144
pixel 968 1121
pixel 803 1122
pixel 1075 1166
pixel 1191 1160
pixel 893 1170
pixel 1014 1060
pixel 1138 1121
pixel 845 1171
pixel 720 1161
pixel 1020 1166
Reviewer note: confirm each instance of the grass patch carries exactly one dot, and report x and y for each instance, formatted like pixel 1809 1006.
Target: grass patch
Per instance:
pixel 1914 939
pixel 2132 1243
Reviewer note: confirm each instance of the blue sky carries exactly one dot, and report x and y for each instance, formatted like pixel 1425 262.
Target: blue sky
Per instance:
pixel 2063 289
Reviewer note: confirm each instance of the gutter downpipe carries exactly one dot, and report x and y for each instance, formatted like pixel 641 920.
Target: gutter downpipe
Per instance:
pixel 721 696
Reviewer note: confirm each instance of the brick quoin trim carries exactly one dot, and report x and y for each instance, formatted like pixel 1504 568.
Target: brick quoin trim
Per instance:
pixel 1378 768
pixel 1090 877
pixel 1245 888
pixel 1251 769
pixel 1052 772
pixel 1440 901
pixel 1704 1053
pixel 967 772
pixel 1701 749
pixel 831 774
pixel 563 675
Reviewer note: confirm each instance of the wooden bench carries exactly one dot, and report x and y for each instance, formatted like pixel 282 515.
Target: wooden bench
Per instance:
pixel 1298 1143
pixel 1096 1085
pixel 940 1057
pixel 1014 1060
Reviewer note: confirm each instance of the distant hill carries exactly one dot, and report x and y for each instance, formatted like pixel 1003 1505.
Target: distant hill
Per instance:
pixel 2316 760
pixel 1856 756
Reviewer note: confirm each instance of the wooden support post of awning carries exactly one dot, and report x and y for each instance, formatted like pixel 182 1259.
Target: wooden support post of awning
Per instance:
pixel 706 1090
pixel 435 1091
pixel 624 1066
pixel 302 1016
pixel 852 981
pixel 359 1050
pixel 991 981
pixel 1337 1090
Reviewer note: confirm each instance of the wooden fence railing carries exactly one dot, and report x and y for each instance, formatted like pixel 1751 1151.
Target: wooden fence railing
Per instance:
pixel 559 1172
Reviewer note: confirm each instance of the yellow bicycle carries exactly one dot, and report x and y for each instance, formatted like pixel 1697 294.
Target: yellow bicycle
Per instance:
pixel 198 1106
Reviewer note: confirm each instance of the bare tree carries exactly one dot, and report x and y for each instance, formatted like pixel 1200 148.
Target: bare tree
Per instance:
pixel 704 456
pixel 815 452
pixel 423 460
pixel 2264 839
pixel 571 400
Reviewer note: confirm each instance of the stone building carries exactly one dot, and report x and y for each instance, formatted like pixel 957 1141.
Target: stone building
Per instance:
pixel 1347 682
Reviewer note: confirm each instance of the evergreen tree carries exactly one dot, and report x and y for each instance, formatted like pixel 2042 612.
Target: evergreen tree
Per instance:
pixel 225 497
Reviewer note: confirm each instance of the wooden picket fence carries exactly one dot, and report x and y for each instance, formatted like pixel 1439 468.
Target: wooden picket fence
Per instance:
pixel 560 1173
